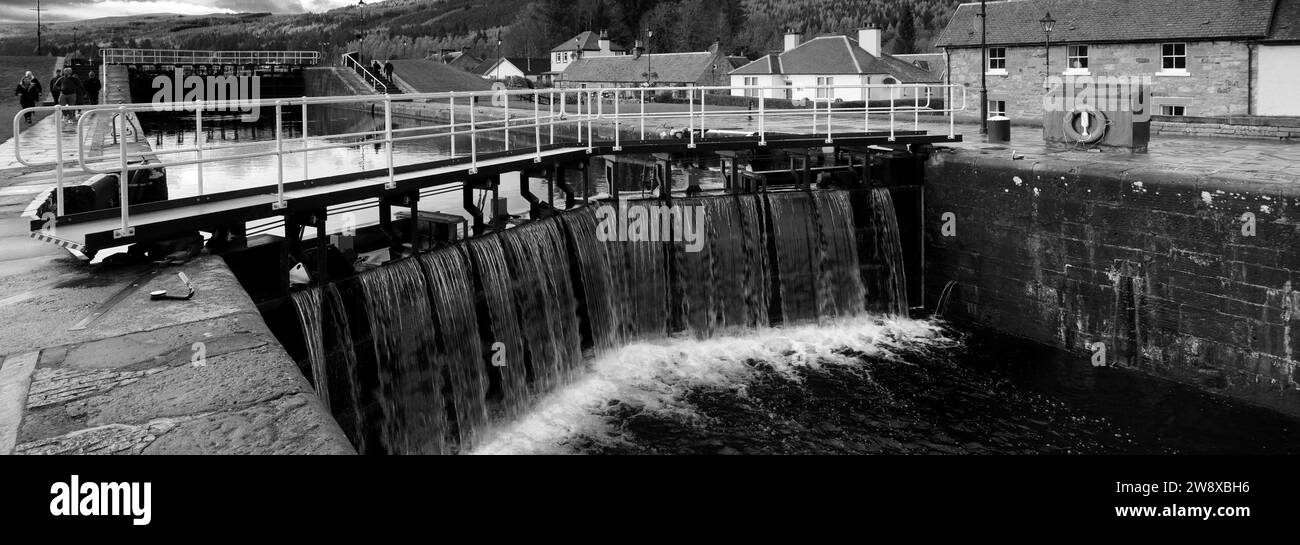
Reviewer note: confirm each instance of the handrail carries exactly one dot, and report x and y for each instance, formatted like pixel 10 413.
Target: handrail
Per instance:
pixel 589 110
pixel 370 78
pixel 172 56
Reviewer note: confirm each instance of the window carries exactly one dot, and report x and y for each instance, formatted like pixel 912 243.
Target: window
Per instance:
pixel 1173 57
pixel 823 82
pixel 1078 59
pixel 997 108
pixel 998 59
pixel 1170 109
pixel 751 81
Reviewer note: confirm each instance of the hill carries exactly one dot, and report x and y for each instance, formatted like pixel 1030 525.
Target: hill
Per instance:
pixel 418 28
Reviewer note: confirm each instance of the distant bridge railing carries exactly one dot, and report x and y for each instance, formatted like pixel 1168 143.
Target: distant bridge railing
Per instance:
pixel 190 56
pixel 548 118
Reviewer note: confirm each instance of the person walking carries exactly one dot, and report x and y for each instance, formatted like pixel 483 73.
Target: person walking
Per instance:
pixel 70 91
pixel 54 86
pixel 388 70
pixel 29 94
pixel 92 86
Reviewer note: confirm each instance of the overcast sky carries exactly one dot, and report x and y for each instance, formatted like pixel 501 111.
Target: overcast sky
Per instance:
pixel 71 10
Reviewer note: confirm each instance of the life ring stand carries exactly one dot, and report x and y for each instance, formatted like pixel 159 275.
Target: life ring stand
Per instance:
pixel 1096 135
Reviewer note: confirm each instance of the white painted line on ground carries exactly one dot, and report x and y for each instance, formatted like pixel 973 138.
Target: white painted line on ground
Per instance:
pixel 15 380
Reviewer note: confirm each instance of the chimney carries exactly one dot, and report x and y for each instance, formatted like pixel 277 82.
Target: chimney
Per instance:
pixel 604 41
pixel 792 39
pixel 869 39
pixel 717 44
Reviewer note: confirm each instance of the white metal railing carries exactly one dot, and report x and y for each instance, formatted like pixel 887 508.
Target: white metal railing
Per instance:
pixel 192 56
pixel 575 125
pixel 371 78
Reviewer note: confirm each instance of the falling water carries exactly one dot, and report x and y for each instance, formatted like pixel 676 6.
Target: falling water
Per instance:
pixel 410 382
pixel 798 255
pixel 308 304
pixel 540 278
pixel 602 300
pixel 465 335
pixel 885 253
pixel 452 294
pixel 840 290
pixel 493 275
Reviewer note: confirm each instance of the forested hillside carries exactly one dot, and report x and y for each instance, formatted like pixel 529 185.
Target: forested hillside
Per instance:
pixel 416 28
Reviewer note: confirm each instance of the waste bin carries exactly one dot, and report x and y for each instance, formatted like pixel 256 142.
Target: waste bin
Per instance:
pixel 999 128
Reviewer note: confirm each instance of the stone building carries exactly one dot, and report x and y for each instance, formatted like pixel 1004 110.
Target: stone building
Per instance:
pixel 1203 57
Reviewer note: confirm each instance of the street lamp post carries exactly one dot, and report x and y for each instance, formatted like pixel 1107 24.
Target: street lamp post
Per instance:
pixel 498 55
pixel 1048 22
pixel 38 11
pixel 984 68
pixel 648 73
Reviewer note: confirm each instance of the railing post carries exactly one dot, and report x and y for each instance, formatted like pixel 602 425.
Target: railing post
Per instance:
pixel 123 180
pixel 762 119
pixel 279 203
pixel 473 138
pixel 690 100
pixel 550 110
pixel 893 92
pixel 952 114
pixel 537 125
pixel 590 121
pixel 618 126
pixel 198 143
pixel 58 152
pixel 703 116
pixel 866 109
pixel 643 113
pixel 305 144
pixel 388 140
pixel 451 109
pixel 830 105
pixel 507 101
pixel 916 108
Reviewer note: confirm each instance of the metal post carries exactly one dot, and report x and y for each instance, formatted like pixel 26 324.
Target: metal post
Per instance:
pixel 305 162
pixel 866 110
pixel 388 140
pixel 123 180
pixel 198 143
pixel 618 127
pixel 550 110
pixel 829 105
pixel 893 90
pixel 703 116
pixel 537 128
pixel 916 109
pixel 279 203
pixel 507 100
pixel 473 139
pixel 451 109
pixel 643 113
pixel 58 153
pixel 590 120
pixel 984 68
pixel 690 99
pixel 762 119
pixel 952 114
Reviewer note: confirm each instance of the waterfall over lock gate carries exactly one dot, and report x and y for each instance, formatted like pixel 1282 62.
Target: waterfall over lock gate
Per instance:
pixel 456 339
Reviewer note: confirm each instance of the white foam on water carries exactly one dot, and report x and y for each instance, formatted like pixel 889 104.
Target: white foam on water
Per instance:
pixel 654 377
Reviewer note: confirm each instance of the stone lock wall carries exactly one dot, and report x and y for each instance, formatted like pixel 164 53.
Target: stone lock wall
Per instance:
pixel 1191 278
pixel 1217 84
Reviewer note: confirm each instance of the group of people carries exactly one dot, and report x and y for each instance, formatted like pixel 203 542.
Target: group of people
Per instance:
pixel 66 90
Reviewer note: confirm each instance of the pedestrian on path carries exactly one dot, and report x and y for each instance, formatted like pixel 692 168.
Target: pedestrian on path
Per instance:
pixel 388 70
pixel 29 94
pixel 54 86
pixel 92 86
pixel 70 91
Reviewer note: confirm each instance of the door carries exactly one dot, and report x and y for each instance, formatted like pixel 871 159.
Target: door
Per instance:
pixel 1279 77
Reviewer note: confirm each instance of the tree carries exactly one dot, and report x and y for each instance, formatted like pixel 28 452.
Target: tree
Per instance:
pixel 906 31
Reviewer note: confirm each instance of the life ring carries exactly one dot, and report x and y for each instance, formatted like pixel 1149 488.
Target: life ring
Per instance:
pixel 1095 135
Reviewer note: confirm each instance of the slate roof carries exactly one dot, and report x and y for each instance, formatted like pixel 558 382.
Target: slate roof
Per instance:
pixel 1015 22
pixel 933 63
pixel 428 76
pixel 587 41
pixel 668 67
pixel 835 55
pixel 1286 22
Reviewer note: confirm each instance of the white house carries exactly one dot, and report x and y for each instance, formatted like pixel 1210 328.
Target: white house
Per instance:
pixel 514 67
pixel 586 44
pixel 815 68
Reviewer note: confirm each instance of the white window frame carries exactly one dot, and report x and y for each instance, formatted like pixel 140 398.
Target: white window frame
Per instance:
pixel 1072 54
pixel 751 81
pixel 989 69
pixel 1182 72
pixel 1167 109
pixel 822 83
pixel 993 111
